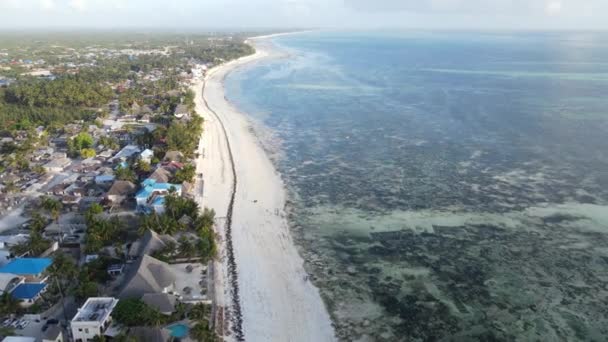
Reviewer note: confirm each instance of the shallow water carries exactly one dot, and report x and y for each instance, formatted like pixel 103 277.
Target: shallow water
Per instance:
pixel 444 185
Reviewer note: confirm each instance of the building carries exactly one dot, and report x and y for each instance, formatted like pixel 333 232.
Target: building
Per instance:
pixel 120 191
pixel 30 268
pixel 25 279
pixel 149 275
pixel 18 339
pixel 150 334
pixel 53 334
pixel 151 197
pixel 104 180
pixel 147 155
pixel 171 156
pixel 149 243
pixel 93 318
pixel 57 165
pixel 162 302
pixel 181 111
pixel 127 152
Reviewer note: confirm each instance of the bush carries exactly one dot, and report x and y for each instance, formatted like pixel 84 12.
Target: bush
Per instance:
pixel 134 312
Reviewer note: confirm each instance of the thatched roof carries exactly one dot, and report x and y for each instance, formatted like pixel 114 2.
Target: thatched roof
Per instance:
pixel 149 243
pixel 150 334
pixel 163 302
pixel 122 188
pixel 148 276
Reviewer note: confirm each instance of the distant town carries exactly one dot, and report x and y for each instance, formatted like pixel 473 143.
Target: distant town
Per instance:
pixel 103 236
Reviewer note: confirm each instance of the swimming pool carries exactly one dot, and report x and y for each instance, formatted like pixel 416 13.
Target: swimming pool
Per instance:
pixel 178 330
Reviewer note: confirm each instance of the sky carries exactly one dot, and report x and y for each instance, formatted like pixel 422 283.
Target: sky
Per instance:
pixel 255 14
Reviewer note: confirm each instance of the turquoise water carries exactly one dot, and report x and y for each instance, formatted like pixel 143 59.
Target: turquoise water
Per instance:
pixel 179 330
pixel 444 185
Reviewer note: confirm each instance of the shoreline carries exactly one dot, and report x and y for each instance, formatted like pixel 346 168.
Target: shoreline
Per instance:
pixel 261 280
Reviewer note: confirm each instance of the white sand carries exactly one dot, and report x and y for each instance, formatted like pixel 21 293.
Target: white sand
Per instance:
pixel 277 303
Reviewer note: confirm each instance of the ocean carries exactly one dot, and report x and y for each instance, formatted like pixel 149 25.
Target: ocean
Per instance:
pixel 444 185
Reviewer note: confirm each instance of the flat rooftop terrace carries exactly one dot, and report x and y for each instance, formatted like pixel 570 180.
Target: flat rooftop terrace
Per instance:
pixel 95 309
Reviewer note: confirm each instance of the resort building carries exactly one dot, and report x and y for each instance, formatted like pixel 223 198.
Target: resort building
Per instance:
pixel 148 275
pixel 25 279
pixel 151 198
pixel 149 243
pixel 93 318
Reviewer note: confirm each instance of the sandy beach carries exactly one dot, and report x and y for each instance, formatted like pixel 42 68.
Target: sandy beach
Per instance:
pixel 275 299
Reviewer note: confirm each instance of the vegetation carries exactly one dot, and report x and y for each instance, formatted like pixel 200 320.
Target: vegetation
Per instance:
pixel 184 137
pixel 52 206
pixel 185 174
pixel 36 244
pixel 66 91
pixel 101 232
pixel 125 174
pixel 134 312
pixel 201 332
pixel 108 142
pixel 8 305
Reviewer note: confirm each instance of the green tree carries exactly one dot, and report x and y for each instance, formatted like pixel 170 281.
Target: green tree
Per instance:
pixel 125 174
pixel 143 166
pixel 82 140
pixel 199 312
pixel 134 312
pixel 86 153
pixel 206 220
pixel 185 174
pixel 186 248
pixel 52 206
pixel 108 142
pixel 63 268
pixel 176 207
pixel 8 305
pixel 202 333
pixel 86 290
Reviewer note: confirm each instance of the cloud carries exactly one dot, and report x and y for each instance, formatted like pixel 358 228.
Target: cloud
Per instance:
pixel 79 5
pixel 47 5
pixel 497 7
pixel 554 8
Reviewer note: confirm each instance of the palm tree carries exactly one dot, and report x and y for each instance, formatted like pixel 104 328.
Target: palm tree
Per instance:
pixel 53 206
pixel 186 247
pixel 202 333
pixel 63 267
pixel 8 304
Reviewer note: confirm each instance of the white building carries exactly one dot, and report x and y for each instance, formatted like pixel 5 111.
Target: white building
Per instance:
pixel 57 165
pixel 93 318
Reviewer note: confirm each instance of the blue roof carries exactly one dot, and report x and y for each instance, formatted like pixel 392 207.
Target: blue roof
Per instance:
pixel 104 178
pixel 166 186
pixel 144 192
pixel 27 290
pixel 26 266
pixel 148 181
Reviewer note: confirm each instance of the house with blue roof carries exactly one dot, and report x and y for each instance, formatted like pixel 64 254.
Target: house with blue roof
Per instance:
pixel 30 268
pixel 105 180
pixel 28 293
pixel 24 279
pixel 151 197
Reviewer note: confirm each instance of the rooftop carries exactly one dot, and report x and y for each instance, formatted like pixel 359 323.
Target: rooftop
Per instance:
pixel 95 309
pixel 19 339
pixel 26 266
pixel 27 290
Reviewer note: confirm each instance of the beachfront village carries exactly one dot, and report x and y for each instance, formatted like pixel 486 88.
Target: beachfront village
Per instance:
pixel 104 236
